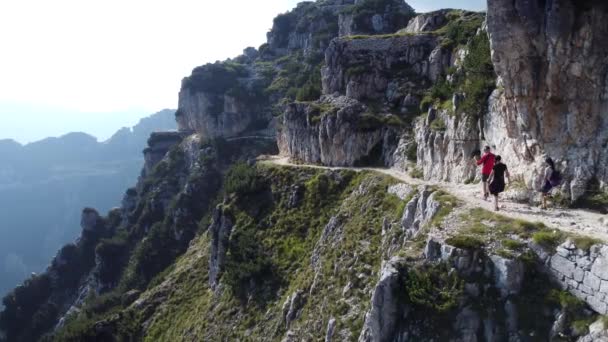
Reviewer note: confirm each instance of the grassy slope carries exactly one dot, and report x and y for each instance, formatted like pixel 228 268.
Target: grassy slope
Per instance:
pixel 189 310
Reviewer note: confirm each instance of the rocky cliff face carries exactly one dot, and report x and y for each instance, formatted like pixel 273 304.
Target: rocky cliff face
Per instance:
pixel 213 244
pixel 374 17
pixel 385 79
pixel 331 132
pixel 551 61
pixel 223 99
pixel 550 99
pixel 352 263
pixel 118 254
pixel 56 178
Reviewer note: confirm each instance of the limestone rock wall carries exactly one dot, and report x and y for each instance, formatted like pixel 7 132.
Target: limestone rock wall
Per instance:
pixel 196 114
pixel 335 138
pixel 584 273
pixel 368 84
pixel 502 282
pixel 220 229
pixel 375 17
pixel 159 144
pixel 445 153
pixel 383 67
pixel 552 61
pixel 419 211
pixel 427 22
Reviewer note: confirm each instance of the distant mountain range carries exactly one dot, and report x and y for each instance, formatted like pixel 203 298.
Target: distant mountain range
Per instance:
pixel 45 184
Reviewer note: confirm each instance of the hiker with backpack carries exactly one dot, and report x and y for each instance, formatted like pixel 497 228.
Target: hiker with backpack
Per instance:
pixel 497 180
pixel 487 163
pixel 552 179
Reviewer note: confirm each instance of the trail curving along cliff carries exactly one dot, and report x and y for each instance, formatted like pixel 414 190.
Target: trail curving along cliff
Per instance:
pixel 573 221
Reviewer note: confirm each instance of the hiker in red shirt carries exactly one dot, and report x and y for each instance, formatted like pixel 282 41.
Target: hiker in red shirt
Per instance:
pixel 487 160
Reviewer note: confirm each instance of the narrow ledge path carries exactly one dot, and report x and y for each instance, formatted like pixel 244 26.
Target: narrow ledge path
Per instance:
pixel 577 221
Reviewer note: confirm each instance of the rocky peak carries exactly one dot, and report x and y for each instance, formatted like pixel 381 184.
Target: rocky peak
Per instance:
pixel 427 22
pixel 159 144
pixel 90 220
pixel 374 17
pixel 308 27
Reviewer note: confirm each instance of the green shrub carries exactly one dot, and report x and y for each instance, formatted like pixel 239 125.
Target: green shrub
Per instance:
pixel 153 254
pixel 112 253
pixel 364 10
pixel 242 179
pixel 513 245
pixel 369 122
pixel 248 269
pixel 434 288
pixel 566 300
pixel 460 28
pixel 309 92
pixel 594 198
pixel 356 71
pixel 417 173
pixel 25 308
pixel 465 242
pixel 479 77
pixel 426 103
pixel 581 326
pixel 548 239
pixel 393 121
pixel 438 125
pixel 412 152
pixel 584 242
pixel 215 78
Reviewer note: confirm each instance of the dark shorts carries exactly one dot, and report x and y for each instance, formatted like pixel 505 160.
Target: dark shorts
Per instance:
pixel 484 178
pixel 546 189
pixel 496 187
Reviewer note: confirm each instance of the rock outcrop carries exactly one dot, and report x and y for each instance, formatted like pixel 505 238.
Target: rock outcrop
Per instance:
pixel 308 28
pixel 419 211
pixel 427 22
pixel 444 152
pixel 381 320
pixel 551 61
pixel 374 17
pixel 159 144
pixel 292 254
pixel 374 85
pixel 383 68
pixel 219 230
pixel 222 100
pixel 332 131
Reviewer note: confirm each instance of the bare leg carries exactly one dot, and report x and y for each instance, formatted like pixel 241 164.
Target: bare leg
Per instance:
pixel 486 190
pixel 544 205
pixel 496 202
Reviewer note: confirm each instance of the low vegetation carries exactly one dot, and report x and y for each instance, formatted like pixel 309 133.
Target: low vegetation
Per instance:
pixel 595 198
pixel 434 288
pixel 363 12
pixel 476 79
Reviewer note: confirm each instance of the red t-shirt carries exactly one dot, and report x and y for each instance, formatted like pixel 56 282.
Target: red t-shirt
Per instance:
pixel 488 163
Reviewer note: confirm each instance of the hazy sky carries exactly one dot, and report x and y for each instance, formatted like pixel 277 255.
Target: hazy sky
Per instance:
pixel 73 65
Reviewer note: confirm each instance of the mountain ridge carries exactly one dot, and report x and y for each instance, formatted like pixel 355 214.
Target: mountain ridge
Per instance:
pixel 211 244
pixel 56 176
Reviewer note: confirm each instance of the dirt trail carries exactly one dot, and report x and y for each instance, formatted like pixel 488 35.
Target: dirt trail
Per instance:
pixel 570 220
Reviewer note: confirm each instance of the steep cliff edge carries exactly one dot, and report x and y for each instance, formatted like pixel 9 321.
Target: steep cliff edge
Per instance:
pixel 550 98
pixel 381 82
pixel 287 254
pixel 215 244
